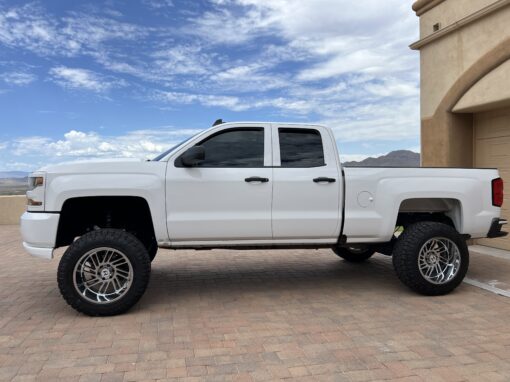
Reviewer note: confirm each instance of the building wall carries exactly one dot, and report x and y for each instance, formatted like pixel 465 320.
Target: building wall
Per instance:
pixel 444 60
pixel 487 94
pixel 470 30
pixel 11 208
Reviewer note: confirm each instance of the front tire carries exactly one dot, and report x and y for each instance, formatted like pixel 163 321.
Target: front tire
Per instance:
pixel 354 254
pixel 431 258
pixel 104 273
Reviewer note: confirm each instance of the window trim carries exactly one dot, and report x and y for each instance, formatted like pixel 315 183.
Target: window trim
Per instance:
pixel 178 162
pixel 278 145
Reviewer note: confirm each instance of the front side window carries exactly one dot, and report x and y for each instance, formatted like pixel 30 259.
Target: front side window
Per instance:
pixel 300 148
pixel 234 148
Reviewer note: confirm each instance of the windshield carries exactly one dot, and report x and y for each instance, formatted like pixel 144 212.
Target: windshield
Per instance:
pixel 161 156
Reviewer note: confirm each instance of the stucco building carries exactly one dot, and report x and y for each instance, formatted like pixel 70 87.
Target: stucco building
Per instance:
pixel 465 86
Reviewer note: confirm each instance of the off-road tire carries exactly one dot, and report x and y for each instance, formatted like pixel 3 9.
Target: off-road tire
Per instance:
pixel 407 249
pixel 353 257
pixel 120 240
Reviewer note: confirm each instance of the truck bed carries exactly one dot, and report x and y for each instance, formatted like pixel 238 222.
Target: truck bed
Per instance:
pixel 374 197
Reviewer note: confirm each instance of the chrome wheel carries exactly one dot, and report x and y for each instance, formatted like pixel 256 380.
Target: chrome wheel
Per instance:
pixel 103 275
pixel 439 260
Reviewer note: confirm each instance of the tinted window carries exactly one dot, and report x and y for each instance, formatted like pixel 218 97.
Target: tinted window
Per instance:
pixel 234 148
pixel 301 148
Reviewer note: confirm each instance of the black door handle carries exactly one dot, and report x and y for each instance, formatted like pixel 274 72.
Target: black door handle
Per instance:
pixel 322 179
pixel 256 179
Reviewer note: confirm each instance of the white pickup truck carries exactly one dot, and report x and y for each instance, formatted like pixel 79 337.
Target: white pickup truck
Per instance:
pixel 252 185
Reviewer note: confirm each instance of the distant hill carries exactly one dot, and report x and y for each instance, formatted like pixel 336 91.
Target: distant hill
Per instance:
pixel 13 182
pixel 398 158
pixel 13 186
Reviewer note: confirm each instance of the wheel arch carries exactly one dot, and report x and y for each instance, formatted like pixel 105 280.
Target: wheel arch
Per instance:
pixel 83 214
pixel 439 209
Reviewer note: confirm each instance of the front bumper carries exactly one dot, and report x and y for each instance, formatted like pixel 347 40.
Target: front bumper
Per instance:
pixel 495 230
pixel 39 233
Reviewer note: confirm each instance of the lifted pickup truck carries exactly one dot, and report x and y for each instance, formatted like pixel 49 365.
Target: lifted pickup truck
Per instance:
pixel 252 185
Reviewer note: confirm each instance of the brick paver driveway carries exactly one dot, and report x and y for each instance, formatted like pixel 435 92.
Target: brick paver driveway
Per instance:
pixel 254 315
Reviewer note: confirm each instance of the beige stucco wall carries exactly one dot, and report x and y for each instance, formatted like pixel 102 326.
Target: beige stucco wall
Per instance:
pixel 444 60
pixel 11 208
pixel 488 93
pixel 473 40
pixel 448 12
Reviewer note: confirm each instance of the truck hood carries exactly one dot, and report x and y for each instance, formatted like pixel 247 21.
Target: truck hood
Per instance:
pixel 97 166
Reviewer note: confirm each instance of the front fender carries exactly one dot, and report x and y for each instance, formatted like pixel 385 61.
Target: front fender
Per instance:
pixel 147 186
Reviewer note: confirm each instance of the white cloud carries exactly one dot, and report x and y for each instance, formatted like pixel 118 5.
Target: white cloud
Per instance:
pixel 252 77
pixel 18 78
pixel 76 78
pixel 228 102
pixel 337 37
pixel 372 122
pixel 233 102
pixel 30 27
pixel 393 87
pixel 90 31
pixel 82 145
pixel 182 59
pixel 27 145
pixel 158 4
pixel 223 26
pixel 27 27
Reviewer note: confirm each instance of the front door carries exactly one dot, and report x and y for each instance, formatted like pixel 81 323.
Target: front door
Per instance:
pixel 227 196
pixel 307 184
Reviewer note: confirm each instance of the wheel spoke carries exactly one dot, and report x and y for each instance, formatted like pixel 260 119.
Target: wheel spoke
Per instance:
pixel 90 283
pixel 116 284
pixel 108 257
pixel 122 272
pixel 118 262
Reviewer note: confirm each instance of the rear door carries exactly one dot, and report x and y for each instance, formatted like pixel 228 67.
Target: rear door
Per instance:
pixel 306 184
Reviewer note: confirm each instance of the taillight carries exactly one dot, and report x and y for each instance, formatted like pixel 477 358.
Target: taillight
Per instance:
pixel 497 192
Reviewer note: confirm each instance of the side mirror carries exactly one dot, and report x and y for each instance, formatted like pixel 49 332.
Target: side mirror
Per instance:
pixel 193 156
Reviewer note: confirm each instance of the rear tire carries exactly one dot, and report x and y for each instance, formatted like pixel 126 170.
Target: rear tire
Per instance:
pixel 354 255
pixel 431 258
pixel 104 273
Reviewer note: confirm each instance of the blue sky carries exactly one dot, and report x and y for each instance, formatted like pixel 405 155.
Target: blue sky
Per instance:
pixel 82 80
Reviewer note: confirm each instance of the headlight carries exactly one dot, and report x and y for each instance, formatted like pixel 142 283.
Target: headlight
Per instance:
pixel 35 193
pixel 35 181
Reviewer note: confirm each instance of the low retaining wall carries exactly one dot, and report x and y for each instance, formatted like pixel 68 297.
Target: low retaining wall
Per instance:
pixel 11 208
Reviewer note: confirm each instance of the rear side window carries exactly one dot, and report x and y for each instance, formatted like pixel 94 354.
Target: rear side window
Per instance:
pixel 234 148
pixel 301 148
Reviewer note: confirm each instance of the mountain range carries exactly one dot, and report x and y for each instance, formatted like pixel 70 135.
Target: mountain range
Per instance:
pixel 398 158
